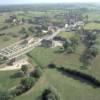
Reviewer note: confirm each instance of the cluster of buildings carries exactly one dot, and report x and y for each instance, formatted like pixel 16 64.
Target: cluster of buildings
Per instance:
pixel 14 20
pixel 74 26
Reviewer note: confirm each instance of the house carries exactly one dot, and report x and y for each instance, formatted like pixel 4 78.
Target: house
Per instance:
pixel 46 43
pixel 79 23
pixel 74 26
pixel 57 44
pixel 44 31
pixel 30 40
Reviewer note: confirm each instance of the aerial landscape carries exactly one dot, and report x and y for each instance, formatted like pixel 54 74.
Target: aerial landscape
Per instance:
pixel 49 50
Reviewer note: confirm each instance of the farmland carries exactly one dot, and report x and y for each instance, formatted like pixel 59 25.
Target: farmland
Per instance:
pixel 31 22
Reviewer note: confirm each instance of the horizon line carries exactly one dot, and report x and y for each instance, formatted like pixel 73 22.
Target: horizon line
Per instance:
pixel 50 3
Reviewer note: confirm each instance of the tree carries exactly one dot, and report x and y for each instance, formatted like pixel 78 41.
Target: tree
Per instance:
pixel 70 49
pixel 65 45
pixel 74 40
pixel 2 60
pixel 92 51
pixel 24 68
pixel 37 73
pixel 28 82
pixel 88 55
pixel 86 18
pixel 52 65
pixel 5 96
pixel 71 44
pixel 50 94
pixel 90 38
pixel 23 30
pixel 31 29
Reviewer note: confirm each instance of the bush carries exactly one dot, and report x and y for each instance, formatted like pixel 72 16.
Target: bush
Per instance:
pixel 18 91
pixel 28 82
pixel 23 30
pixel 50 94
pixel 25 85
pixel 70 49
pixel 5 96
pixel 4 27
pixel 52 65
pixel 80 76
pixel 18 75
pixel 37 73
pixel 24 68
pixel 6 38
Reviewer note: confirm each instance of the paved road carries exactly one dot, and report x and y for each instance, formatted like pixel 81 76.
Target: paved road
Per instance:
pixel 30 47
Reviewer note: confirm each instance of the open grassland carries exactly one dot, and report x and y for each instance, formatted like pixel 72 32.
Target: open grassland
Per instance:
pixel 67 88
pixel 12 34
pixel 2 19
pixel 7 80
pixel 36 91
pixel 93 15
pixel 92 26
pixel 7 40
pixel 14 28
pixel 66 34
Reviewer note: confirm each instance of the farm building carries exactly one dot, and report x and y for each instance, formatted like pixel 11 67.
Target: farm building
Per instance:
pixel 47 43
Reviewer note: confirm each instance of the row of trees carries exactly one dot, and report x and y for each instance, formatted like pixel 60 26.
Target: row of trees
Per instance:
pixel 91 51
pixel 80 76
pixel 76 75
pixel 28 81
pixel 71 44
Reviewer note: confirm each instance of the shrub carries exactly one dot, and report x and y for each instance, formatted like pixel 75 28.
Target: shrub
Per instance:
pixel 5 96
pixel 37 73
pixel 70 49
pixel 18 75
pixel 52 65
pixel 28 82
pixel 81 76
pixel 50 94
pixel 24 69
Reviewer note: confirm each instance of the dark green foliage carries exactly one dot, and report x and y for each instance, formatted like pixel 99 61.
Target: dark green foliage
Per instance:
pixel 24 86
pixel 37 73
pixel 5 96
pixel 71 44
pixel 18 74
pixel 88 55
pixel 28 82
pixel 4 27
pixel 23 30
pixel 70 50
pixel 50 94
pixel 52 65
pixel 18 91
pixel 24 69
pixel 91 51
pixel 2 60
pixel 80 76
pixel 31 29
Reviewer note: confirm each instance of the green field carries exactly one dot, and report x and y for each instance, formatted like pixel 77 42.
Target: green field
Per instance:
pixel 92 26
pixel 7 81
pixel 93 15
pixel 12 34
pixel 66 86
pixel 67 34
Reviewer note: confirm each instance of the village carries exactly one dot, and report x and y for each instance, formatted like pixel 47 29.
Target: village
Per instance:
pixel 50 51
pixel 12 52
